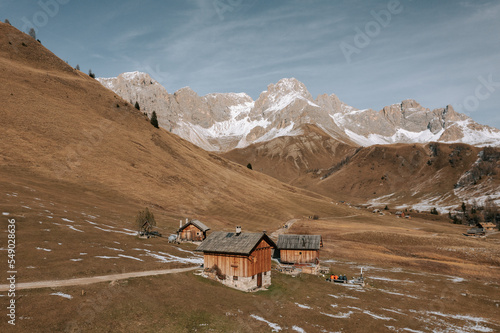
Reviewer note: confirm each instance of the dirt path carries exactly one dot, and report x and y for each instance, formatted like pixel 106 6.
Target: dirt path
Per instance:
pixel 282 230
pixel 93 279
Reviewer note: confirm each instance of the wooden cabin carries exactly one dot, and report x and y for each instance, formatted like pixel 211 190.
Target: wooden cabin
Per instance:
pixel 238 260
pixel 488 226
pixel 299 249
pixel 192 231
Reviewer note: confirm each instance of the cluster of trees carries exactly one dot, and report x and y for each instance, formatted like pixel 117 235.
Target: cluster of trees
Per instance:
pixel 473 213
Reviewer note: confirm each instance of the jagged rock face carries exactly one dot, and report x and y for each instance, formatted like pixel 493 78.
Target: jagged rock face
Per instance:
pixel 221 122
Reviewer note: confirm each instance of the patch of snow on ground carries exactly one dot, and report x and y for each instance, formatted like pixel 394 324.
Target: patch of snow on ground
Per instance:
pixel 62 295
pixel 274 327
pixel 398 294
pixel 27 207
pixel 303 306
pixel 192 260
pixel 66 220
pixel 5 214
pixel 381 278
pixel 106 257
pixel 373 315
pixel 114 249
pixel 340 315
pixel 413 331
pixel 343 296
pixel 129 257
pixel 457 279
pixel 395 311
pixel 41 248
pixel 83 253
pixel 182 250
pixel 79 259
pixel 50 217
pixel 73 228
pixel 298 329
pixel 118 231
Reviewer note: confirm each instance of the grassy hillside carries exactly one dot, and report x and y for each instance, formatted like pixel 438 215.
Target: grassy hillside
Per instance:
pixel 60 124
pixel 401 174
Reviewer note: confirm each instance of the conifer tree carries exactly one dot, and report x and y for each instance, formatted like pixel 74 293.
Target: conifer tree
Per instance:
pixel 137 106
pixel 154 120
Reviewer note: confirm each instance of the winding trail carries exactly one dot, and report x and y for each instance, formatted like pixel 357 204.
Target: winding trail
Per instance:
pixel 94 279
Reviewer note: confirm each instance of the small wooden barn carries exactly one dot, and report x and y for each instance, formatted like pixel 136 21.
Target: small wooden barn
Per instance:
pixel 299 249
pixel 239 260
pixel 192 231
pixel 475 232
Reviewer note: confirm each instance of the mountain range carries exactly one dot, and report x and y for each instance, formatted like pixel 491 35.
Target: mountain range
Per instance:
pixel 404 155
pixel 224 121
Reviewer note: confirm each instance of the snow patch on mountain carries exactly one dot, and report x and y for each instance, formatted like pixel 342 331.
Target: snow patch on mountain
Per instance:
pixel 401 136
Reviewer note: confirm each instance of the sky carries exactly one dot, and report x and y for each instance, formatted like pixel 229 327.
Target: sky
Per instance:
pixel 368 53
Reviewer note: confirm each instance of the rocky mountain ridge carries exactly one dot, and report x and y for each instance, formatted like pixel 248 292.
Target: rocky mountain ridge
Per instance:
pixel 224 121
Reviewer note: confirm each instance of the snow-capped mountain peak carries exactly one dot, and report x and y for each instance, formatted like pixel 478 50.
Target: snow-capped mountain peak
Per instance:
pixel 223 121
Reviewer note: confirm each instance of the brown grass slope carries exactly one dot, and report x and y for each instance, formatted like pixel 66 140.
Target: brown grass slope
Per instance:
pixel 58 123
pixel 412 172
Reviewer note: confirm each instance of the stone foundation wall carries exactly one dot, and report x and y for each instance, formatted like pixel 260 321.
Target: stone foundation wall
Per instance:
pixel 244 283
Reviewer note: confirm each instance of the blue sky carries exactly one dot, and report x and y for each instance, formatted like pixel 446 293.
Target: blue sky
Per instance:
pixel 369 53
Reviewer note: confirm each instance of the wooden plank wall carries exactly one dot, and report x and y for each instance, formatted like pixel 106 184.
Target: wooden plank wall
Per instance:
pixel 259 261
pixel 190 233
pixel 299 256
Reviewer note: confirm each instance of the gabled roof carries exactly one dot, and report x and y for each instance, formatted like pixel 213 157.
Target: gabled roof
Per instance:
pixel 299 242
pixel 230 242
pixel 197 224
pixel 475 230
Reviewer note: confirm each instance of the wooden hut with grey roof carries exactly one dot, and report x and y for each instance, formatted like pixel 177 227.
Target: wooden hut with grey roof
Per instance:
pixel 299 249
pixel 192 231
pixel 239 260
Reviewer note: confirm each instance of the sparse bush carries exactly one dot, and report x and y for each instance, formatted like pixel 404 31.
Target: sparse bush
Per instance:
pixel 77 67
pixel 249 165
pixel 7 21
pixel 91 74
pixel 137 106
pixel 315 217
pixel 154 120
pixel 32 33
pixel 434 211
pixel 386 207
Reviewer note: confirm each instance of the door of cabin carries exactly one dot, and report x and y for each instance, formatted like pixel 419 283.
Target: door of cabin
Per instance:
pixel 259 280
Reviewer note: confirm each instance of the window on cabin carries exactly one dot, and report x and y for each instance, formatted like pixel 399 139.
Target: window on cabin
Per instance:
pixel 235 278
pixel 253 277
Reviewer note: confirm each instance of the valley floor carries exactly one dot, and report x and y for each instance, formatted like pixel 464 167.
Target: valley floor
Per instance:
pixel 422 275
